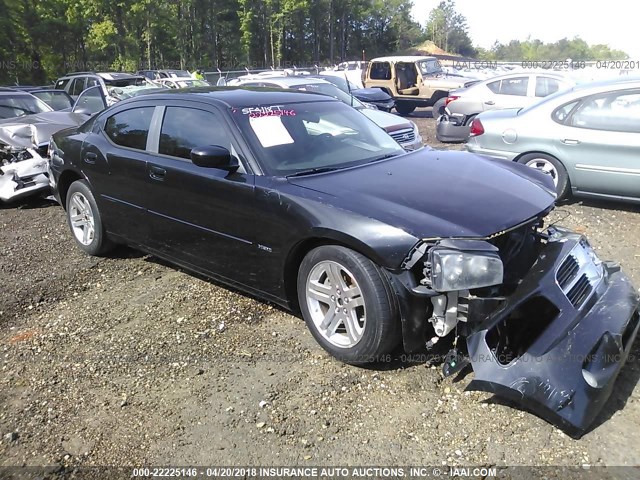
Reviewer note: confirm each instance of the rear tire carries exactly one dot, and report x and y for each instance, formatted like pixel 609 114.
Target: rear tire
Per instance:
pixel 404 108
pixel 85 220
pixel 553 167
pixel 438 108
pixel 348 305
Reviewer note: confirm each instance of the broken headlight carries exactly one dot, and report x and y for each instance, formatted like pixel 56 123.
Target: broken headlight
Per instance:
pixel 459 268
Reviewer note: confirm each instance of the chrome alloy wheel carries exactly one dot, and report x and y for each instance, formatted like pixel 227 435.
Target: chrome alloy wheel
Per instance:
pixel 546 166
pixel 82 219
pixel 336 304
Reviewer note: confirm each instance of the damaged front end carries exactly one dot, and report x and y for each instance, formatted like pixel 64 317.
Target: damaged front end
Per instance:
pixel 23 163
pixel 547 323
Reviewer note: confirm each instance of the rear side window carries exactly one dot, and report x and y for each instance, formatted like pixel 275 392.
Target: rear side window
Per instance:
pixel 60 84
pixel 510 86
pixel 546 86
pixel 130 128
pixel 77 87
pixel 186 128
pixel 617 112
pixel 380 71
pixel 561 114
pixel 91 82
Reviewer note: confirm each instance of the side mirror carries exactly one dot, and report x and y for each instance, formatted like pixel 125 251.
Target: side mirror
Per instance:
pixel 214 156
pixel 83 111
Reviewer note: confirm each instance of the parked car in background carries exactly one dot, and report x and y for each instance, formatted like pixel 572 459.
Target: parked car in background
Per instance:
pixel 76 83
pixel 177 82
pixel 24 140
pixel 160 74
pixel 404 131
pixel 16 103
pixel 373 96
pixel 587 139
pixel 412 81
pixel 513 90
pixel 354 70
pixel 300 200
pixel 56 99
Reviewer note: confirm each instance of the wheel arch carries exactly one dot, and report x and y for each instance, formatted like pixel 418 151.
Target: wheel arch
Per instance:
pixel 542 152
pixel 64 182
pixel 302 248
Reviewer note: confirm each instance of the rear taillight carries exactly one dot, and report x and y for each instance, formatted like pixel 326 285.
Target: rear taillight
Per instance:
pixel 476 128
pixel 450 99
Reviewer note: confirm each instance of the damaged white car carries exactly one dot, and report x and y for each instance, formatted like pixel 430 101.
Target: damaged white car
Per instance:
pixel 24 140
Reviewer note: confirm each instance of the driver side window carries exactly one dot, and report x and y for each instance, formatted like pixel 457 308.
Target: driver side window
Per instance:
pixel 186 128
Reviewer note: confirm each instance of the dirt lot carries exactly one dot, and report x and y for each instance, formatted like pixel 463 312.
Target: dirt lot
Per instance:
pixel 125 360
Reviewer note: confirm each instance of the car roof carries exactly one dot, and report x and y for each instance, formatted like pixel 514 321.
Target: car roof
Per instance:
pixel 599 86
pixel 292 81
pixel 6 91
pixel 235 97
pixel 402 58
pixel 104 75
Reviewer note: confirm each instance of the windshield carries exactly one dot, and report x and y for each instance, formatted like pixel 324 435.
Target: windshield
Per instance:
pixel 549 99
pixel 12 106
pixel 332 91
pixel 340 82
pixel 56 99
pixel 178 74
pixel 301 137
pixel 127 82
pixel 430 67
pixel 191 83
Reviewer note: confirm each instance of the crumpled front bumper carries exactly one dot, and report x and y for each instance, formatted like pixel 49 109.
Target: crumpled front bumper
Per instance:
pixel 581 337
pixel 23 178
pixel 452 128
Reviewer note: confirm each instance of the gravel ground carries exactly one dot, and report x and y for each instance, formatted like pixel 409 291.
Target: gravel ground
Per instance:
pixel 128 361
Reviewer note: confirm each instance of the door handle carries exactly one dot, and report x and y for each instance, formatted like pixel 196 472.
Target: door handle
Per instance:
pixel 157 173
pixel 490 102
pixel 570 141
pixel 90 158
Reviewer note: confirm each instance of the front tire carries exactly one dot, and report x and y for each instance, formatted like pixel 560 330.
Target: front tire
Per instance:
pixel 85 220
pixel 553 167
pixel 348 304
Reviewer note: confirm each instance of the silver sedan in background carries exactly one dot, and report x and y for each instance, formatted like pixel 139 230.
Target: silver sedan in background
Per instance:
pixel 514 90
pixel 587 139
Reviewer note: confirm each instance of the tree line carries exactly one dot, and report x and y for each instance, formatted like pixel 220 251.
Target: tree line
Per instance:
pixel 43 39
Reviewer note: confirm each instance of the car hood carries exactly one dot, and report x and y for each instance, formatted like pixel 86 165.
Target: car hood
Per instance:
pixel 438 194
pixel 34 130
pixel 370 94
pixel 388 121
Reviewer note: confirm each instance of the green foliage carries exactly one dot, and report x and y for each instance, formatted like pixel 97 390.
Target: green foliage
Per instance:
pixel 448 29
pixel 575 49
pixel 42 39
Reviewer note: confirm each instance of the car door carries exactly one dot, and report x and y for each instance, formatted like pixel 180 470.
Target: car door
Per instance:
pixel 114 158
pixel 544 85
pixel 600 143
pixel 76 87
pixel 508 93
pixel 199 216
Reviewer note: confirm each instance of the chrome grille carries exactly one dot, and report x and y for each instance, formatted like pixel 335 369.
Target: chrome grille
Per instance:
pixel 579 274
pixel 403 136
pixel 567 271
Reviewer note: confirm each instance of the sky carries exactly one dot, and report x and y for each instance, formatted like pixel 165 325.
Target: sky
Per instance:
pixel 613 22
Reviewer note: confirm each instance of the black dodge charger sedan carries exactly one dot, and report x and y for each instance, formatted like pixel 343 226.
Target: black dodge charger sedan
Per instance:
pixel 301 200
